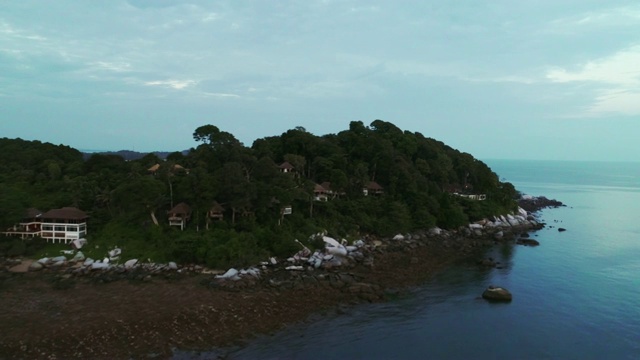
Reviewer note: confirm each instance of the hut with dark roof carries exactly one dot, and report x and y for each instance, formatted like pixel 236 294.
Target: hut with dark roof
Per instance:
pixel 179 215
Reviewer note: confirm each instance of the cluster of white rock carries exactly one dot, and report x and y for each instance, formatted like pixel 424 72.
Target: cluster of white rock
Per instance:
pixel 333 255
pixel 519 219
pixel 82 264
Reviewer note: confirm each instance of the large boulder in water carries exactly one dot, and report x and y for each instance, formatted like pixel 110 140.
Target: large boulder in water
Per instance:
pixel 527 242
pixel 494 293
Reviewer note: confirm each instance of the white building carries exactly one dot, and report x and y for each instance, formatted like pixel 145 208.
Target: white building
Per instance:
pixel 57 226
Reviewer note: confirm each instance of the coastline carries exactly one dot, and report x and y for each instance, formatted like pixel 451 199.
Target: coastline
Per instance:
pixel 133 319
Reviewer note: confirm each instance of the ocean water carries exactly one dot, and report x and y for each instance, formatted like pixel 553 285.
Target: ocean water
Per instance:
pixel 576 296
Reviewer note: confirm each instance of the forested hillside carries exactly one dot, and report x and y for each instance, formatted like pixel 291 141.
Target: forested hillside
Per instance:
pixel 413 179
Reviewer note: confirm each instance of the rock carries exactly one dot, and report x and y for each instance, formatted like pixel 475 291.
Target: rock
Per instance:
pixel 562 229
pixel 36 266
pixel 231 273
pixel 488 263
pixel 78 257
pixel 494 293
pixel 115 252
pixel 58 259
pixel 528 242
pixel 498 235
pixel 99 266
pixel 58 263
pixel 173 266
pixel 129 264
pixel 398 237
pixel 88 262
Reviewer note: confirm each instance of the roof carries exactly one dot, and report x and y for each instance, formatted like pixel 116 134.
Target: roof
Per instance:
pixel 216 207
pixel 286 165
pixel 180 209
pixel 374 186
pixel 66 213
pixel 319 189
pixel 156 167
pixel 326 185
pixel 32 213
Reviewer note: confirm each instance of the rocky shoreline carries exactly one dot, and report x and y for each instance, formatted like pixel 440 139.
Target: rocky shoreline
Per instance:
pixel 149 311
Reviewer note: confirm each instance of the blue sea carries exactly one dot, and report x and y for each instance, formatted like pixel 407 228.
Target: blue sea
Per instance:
pixel 576 296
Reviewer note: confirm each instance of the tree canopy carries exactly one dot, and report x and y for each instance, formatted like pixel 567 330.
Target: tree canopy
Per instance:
pixel 414 176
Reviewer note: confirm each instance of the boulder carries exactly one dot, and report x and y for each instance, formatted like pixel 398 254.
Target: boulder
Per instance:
pixel 494 293
pixel 129 264
pixel 173 266
pixel 562 229
pixel 78 257
pixel 527 242
pixel 230 274
pixel 99 266
pixel 58 263
pixel 35 266
pixel 488 262
pixel 115 252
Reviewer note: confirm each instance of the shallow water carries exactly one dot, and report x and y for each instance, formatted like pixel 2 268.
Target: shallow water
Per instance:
pixel 577 296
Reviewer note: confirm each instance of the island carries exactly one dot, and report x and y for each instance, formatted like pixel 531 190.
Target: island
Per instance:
pixel 112 258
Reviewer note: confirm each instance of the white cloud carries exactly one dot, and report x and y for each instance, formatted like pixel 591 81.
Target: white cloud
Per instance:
pixel 112 66
pixel 174 84
pixel 615 101
pixel 622 68
pixel 221 95
pixel 10 31
pixel 612 17
pixel 617 77
pixel 503 79
pixel 210 17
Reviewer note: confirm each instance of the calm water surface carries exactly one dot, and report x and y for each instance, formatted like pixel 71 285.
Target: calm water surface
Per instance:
pixel 577 296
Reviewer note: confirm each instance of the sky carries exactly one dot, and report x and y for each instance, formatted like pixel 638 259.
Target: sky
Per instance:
pixel 502 79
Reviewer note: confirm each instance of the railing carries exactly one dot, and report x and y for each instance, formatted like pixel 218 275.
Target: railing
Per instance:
pixel 479 197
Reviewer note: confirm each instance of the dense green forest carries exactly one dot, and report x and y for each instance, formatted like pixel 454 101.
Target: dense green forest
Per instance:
pixel 124 199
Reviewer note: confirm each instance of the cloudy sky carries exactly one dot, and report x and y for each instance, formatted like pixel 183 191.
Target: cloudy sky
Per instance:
pixel 526 79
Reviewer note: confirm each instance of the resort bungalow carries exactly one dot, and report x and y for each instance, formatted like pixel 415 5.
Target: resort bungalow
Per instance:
pixel 58 225
pixel 286 167
pixel 28 227
pixel 373 188
pixel 176 168
pixel 215 213
pixel 324 192
pixel 320 193
pixel 179 215
pixel 64 225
